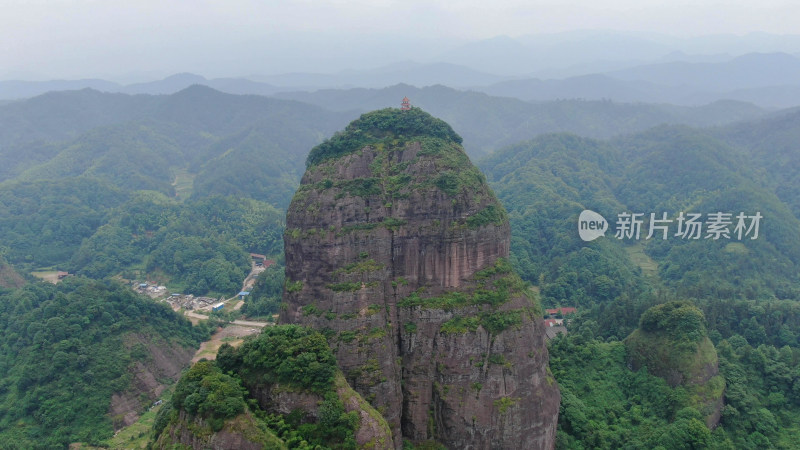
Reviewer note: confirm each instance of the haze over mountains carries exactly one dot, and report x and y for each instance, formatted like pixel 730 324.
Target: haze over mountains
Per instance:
pixel 758 68
pixel 487 123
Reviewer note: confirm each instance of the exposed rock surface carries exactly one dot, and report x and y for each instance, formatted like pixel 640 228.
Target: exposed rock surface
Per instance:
pixel 164 362
pixel 396 248
pixel 9 278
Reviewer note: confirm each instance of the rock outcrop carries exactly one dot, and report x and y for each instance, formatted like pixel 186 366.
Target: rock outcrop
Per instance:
pixel 672 343
pixel 9 278
pixel 240 433
pixel 280 389
pixel 397 250
pixel 149 376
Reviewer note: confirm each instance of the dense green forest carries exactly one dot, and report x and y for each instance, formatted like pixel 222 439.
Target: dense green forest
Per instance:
pixel 200 245
pixel 265 297
pixel 67 348
pixel 547 182
pixel 605 404
pixel 89 227
pixel 119 191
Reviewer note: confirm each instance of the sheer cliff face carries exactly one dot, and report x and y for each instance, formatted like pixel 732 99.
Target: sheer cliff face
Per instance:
pixel 396 248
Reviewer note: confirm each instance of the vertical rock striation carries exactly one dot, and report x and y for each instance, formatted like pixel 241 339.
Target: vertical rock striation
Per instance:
pixel 397 250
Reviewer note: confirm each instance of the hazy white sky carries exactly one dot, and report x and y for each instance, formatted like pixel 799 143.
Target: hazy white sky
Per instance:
pixel 47 38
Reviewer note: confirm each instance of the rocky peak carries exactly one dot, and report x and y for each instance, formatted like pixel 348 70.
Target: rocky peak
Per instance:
pixel 396 249
pixel 672 343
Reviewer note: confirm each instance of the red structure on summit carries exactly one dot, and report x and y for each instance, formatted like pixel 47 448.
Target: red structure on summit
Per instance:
pixel 405 106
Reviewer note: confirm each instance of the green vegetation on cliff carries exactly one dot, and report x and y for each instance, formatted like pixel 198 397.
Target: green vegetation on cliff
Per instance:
pixel 679 321
pixel 207 401
pixel 373 127
pixel 672 343
pixel 493 287
pixel 493 322
pixel 295 358
pixel 287 354
pixel 282 359
pixel 206 392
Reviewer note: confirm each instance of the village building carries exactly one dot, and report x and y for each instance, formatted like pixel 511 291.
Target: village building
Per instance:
pixel 551 332
pixel 554 322
pixel 564 311
pixel 258 257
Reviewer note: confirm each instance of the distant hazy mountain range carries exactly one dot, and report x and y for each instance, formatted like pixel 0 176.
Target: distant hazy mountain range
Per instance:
pixel 17 89
pixel 769 80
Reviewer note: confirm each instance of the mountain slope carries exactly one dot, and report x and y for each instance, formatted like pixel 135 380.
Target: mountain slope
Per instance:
pixel 773 143
pixel 82 358
pixel 746 71
pixel 547 182
pixel 488 123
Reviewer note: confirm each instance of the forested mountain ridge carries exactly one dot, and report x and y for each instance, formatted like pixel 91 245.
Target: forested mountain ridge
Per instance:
pixel 197 142
pixel 546 182
pixel 74 205
pixel 488 123
pixel 59 116
pixel 158 133
pixel 747 288
pixel 774 142
pixel 67 349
